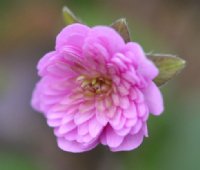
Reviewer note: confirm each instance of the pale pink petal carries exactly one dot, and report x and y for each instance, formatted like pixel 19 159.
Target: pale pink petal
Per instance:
pixel 95 127
pixel 113 139
pixel 108 102
pixel 111 111
pixel 36 98
pixel 73 146
pixel 130 142
pixel 123 58
pixel 107 37
pixel 145 66
pixel 66 127
pixel 54 122
pixel 132 94
pixel 142 110
pixel 119 64
pixel 123 132
pixel 115 98
pixel 45 61
pixel 115 121
pixel 83 129
pixel 95 56
pixel 87 139
pixel 154 99
pixel 130 76
pixel 138 126
pixel 145 130
pixel 55 115
pixel 73 34
pixel 131 112
pixel 100 106
pixel 120 124
pixel 80 118
pixel 124 102
pixel 58 108
pixel 123 91
pixel 131 122
pixel 72 135
pixel 86 107
pixel 67 118
pixel 139 96
pixel 101 117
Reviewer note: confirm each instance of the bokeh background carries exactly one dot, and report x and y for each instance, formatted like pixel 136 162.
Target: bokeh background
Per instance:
pixel 27 31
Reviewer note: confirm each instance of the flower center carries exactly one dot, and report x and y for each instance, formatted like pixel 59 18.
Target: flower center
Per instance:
pixel 98 85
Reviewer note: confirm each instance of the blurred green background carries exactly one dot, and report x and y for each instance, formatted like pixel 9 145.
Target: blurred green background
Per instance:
pixel 27 31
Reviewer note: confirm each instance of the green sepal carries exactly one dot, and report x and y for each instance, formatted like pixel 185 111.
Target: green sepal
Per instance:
pixel 168 65
pixel 69 17
pixel 121 27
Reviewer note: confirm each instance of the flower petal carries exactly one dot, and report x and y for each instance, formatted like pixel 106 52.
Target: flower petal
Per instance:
pixel 66 127
pixel 154 99
pixel 124 102
pixel 131 111
pixel 130 142
pixel 145 66
pixel 113 139
pixel 107 37
pixel 94 127
pixel 72 35
pixel 83 129
pixel 73 146
pixel 101 117
pixel 80 118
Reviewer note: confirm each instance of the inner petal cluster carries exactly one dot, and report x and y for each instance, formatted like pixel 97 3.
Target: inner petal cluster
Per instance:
pixel 93 86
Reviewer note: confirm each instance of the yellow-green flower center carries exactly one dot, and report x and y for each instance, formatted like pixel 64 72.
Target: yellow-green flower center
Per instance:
pixel 95 86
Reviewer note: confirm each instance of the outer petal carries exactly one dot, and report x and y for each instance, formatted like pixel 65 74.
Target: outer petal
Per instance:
pixel 154 99
pixel 130 142
pixel 45 61
pixel 145 66
pixel 73 146
pixel 107 37
pixel 36 97
pixel 113 139
pixel 72 35
pixel 95 127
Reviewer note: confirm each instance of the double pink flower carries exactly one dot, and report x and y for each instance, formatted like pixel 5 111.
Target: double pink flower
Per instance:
pixel 95 88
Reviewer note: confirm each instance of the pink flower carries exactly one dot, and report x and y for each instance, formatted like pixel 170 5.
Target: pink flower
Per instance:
pixel 95 88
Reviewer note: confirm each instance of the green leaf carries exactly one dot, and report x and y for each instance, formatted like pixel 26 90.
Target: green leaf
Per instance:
pixel 121 27
pixel 168 65
pixel 69 17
